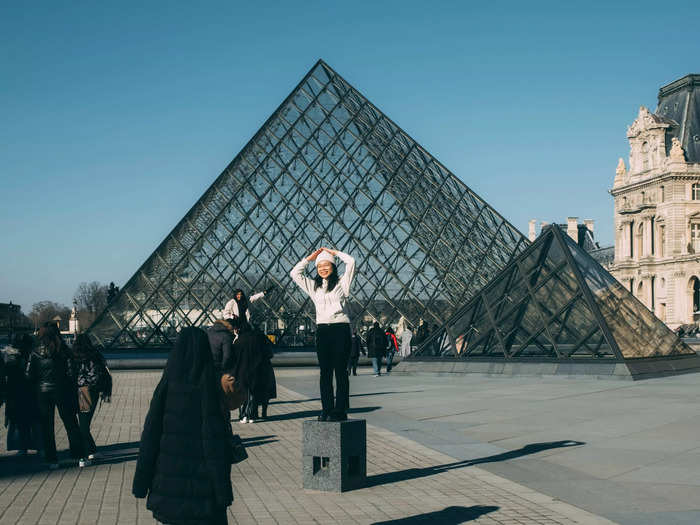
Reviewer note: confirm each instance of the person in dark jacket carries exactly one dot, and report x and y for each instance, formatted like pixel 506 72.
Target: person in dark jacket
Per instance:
pixel 355 350
pixel 265 383
pixel 376 347
pixel 21 409
pixel 221 336
pixel 392 346
pixel 50 372
pixel 90 369
pixel 184 463
pixel 246 358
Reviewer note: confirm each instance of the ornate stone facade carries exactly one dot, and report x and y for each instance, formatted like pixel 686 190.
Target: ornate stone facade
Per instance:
pixel 657 213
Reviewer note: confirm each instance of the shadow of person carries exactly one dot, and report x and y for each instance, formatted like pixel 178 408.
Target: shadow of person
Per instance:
pixel 292 401
pixel 414 473
pixel 305 414
pixel 447 516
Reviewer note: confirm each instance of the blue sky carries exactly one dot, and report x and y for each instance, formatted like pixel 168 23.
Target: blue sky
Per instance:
pixel 117 116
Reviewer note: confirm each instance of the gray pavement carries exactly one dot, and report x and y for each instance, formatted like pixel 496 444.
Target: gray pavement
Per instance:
pixel 408 483
pixel 638 461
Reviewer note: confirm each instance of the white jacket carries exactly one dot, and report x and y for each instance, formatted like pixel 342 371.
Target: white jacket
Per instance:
pixel 331 307
pixel 231 308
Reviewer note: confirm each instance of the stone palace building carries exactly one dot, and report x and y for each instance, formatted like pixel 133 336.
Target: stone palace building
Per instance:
pixel 657 206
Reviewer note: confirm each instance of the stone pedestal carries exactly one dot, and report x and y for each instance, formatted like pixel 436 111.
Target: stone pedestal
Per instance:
pixel 334 455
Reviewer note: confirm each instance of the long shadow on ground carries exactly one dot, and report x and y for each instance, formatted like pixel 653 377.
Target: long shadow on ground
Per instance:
pixel 447 516
pixel 305 414
pixel 292 401
pixel 414 473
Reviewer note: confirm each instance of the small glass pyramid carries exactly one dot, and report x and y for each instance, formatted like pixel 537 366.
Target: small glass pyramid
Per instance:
pixel 553 302
pixel 326 169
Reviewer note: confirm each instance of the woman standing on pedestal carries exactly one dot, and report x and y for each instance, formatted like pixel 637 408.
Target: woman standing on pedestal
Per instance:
pixel 330 296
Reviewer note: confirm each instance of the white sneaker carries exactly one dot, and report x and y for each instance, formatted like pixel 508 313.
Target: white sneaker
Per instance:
pixel 376 375
pixel 244 420
pixel 251 420
pixel 53 466
pixel 84 462
pixel 94 456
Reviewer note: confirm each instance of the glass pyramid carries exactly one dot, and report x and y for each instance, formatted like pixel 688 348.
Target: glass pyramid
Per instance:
pixel 553 302
pixel 326 169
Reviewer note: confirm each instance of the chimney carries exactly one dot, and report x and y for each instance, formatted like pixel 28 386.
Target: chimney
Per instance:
pixel 589 224
pixel 531 230
pixel 543 225
pixel 572 228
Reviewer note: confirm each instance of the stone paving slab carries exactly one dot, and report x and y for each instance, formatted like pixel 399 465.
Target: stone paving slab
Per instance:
pixel 408 482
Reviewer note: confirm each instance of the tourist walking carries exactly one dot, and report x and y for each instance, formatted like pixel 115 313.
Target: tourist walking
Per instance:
pixel 355 350
pixel 50 372
pixel 406 337
pixel 93 381
pixel 21 408
pixel 376 347
pixel 221 336
pixel 329 293
pixel 392 346
pixel 184 463
pixel 238 307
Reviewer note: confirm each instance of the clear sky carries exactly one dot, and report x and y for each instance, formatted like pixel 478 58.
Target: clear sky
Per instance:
pixel 116 119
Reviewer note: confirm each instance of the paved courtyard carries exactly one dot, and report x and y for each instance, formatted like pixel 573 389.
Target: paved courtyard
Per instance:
pixel 408 482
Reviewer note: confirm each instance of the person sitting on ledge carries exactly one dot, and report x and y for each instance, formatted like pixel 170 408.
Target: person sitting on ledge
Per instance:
pixel 330 296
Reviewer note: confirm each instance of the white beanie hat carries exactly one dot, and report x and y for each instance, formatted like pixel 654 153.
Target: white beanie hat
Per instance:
pixel 325 256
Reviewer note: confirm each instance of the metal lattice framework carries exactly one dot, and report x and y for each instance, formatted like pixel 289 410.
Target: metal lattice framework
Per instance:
pixel 327 168
pixel 553 302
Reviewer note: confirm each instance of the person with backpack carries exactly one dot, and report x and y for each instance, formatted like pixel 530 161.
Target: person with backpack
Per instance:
pixel 376 347
pixel 94 382
pixel 392 346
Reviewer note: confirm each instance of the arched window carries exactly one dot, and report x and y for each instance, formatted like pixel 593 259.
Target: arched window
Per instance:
pixel 695 192
pixel 694 292
pixel 645 156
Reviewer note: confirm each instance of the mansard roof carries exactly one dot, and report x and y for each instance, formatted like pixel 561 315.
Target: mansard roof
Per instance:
pixel 679 101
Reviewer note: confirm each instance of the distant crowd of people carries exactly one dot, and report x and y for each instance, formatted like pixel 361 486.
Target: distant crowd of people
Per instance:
pixel 42 374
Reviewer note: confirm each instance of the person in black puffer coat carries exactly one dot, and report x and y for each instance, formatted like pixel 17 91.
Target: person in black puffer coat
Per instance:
pixel 184 463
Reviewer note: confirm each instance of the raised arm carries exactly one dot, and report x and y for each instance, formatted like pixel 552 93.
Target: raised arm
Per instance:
pixel 297 273
pixel 346 280
pixel 256 296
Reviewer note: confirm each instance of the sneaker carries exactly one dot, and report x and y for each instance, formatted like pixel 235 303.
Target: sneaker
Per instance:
pixel 53 466
pixel 94 456
pixel 243 420
pixel 82 462
pixel 251 420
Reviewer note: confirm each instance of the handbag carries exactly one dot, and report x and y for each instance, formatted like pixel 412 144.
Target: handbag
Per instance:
pixel 84 399
pixel 233 395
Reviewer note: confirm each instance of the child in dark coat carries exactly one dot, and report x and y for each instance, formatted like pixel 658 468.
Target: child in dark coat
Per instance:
pixel 184 463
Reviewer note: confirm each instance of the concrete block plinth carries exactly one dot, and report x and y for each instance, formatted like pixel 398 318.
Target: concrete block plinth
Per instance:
pixel 334 455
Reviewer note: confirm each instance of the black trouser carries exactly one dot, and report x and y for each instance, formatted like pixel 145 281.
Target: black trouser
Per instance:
pixel 48 401
pixel 352 364
pixel 85 418
pixel 333 349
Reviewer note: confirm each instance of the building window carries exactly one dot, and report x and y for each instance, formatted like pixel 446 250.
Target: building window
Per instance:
pixel 662 240
pixel 662 195
pixel 651 232
pixel 695 237
pixel 632 286
pixel 640 292
pixel 640 240
pixel 695 192
pixel 643 199
pixel 631 233
pixel 653 279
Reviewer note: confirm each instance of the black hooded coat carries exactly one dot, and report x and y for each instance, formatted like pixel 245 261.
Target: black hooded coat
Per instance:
pixel 184 463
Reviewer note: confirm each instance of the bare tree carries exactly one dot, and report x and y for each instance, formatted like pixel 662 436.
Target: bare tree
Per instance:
pixel 90 299
pixel 44 311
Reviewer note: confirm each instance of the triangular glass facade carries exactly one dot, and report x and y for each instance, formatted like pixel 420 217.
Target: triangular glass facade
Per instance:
pixel 553 302
pixel 327 168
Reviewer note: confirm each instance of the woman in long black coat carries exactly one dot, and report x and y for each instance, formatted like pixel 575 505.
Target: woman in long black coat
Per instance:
pixel 184 463
pixel 266 383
